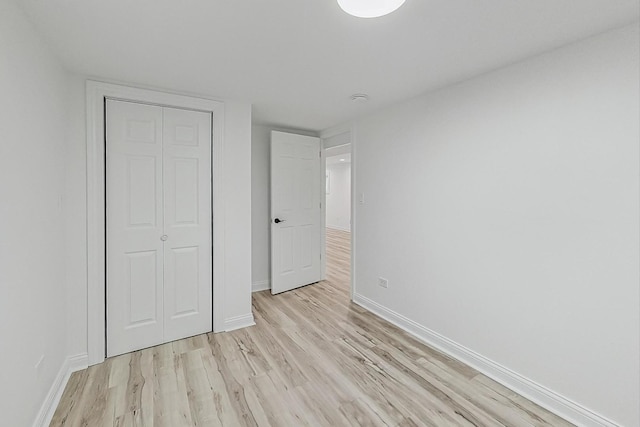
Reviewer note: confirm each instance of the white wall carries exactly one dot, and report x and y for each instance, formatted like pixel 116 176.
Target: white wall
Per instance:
pixel 76 218
pixel 338 211
pixel 337 140
pixel 505 214
pixel 237 198
pixel 260 216
pixel 260 213
pixel 33 118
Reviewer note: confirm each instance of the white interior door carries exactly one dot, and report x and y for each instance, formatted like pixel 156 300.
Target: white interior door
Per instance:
pixel 295 211
pixel 134 227
pixel 187 223
pixel 158 225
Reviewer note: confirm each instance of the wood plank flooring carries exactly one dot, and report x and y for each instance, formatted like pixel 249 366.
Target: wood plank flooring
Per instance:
pixel 313 359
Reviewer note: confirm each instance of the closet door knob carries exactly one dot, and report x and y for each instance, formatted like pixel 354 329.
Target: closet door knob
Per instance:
pixel 164 237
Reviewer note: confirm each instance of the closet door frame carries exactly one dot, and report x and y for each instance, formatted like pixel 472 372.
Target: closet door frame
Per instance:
pixel 96 95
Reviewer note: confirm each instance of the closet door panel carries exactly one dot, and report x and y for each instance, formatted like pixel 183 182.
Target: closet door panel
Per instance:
pixel 187 213
pixel 134 226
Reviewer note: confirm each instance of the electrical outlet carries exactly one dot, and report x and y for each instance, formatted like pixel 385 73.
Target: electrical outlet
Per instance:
pixel 383 282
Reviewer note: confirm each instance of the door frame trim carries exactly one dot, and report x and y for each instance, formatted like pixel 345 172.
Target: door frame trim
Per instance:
pixel 349 128
pixel 96 93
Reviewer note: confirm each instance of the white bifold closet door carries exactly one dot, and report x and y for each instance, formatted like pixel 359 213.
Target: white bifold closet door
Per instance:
pixel 159 256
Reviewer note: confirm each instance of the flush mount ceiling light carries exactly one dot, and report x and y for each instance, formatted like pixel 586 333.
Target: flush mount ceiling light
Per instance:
pixel 369 8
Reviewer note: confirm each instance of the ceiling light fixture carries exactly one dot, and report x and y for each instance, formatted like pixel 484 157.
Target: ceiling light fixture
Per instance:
pixel 369 8
pixel 342 160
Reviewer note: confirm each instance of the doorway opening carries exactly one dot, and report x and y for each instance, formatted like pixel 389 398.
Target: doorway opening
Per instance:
pixel 338 221
pixel 311 207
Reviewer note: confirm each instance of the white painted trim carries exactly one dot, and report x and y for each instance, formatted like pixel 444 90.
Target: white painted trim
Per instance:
pixel 96 92
pixel 261 285
pixel 70 365
pixel 325 134
pixel 323 211
pixel 354 209
pixel 537 393
pixel 333 147
pixel 239 322
pixel 337 227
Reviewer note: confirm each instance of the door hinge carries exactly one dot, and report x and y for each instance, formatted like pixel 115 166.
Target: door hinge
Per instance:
pixel 320 154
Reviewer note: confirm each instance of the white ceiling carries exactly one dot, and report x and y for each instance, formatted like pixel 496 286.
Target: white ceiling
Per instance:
pixel 299 61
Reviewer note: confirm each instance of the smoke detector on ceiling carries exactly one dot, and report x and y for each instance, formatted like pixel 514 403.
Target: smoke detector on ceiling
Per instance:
pixel 360 97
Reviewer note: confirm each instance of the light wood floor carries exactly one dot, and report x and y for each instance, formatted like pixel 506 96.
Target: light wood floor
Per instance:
pixel 313 359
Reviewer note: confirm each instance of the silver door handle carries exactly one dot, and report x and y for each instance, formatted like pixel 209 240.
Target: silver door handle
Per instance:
pixel 164 237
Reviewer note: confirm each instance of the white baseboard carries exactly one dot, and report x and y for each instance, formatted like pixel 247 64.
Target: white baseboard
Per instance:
pixel 548 399
pixel 238 322
pixel 337 227
pixel 262 285
pixel 70 365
